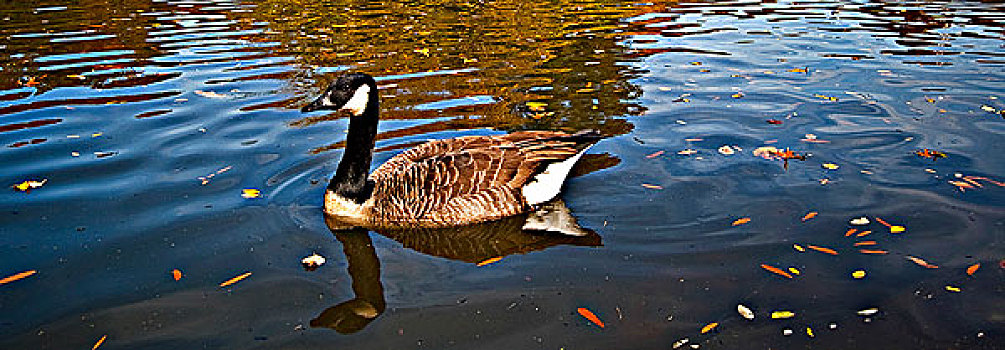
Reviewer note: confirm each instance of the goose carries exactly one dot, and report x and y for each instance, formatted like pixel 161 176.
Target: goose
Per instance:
pixel 441 183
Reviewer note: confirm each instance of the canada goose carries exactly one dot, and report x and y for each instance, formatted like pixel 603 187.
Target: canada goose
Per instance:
pixel 441 183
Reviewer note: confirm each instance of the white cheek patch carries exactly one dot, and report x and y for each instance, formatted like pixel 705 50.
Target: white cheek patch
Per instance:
pixel 357 103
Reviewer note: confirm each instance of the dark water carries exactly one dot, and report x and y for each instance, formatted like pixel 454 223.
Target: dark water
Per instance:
pixel 125 107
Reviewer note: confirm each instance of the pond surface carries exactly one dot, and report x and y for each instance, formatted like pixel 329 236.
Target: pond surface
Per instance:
pixel 147 120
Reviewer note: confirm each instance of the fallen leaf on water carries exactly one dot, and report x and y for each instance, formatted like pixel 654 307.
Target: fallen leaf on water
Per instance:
pixel 737 95
pixel 251 193
pixel 745 312
pixel 489 261
pixel 794 271
pixel 312 262
pixel 809 215
pixel 921 262
pixel 235 279
pixel 590 316
pixel 741 221
pixel 825 97
pixel 654 155
pixel 973 268
pixel 17 276
pixel 798 247
pixel 883 222
pixel 823 249
pixel 850 232
pixel 29 185
pixel 809 332
pixel 799 70
pixel 862 243
pixel 859 221
pixel 782 314
pixel 930 154
pixel 709 327
pixel 652 187
pixel 100 341
pixel 871 251
pixel 830 166
pixel 897 229
pixel 858 274
pixel 954 289
pixel 776 270
pixel 867 312
pixel 863 233
pixel 176 273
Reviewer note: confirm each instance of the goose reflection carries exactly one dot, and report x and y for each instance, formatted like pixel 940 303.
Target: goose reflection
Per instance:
pixel 550 225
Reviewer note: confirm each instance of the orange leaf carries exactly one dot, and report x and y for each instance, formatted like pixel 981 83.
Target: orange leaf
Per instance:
pixel 883 222
pixel 921 262
pixel 17 276
pixel 654 155
pixel 809 215
pixel 823 249
pixel 709 327
pixel 652 187
pixel 776 270
pixel 973 268
pixel 741 221
pixel 590 316
pixel 489 261
pixel 850 232
pixel 176 273
pixel 863 233
pixel 235 279
pixel 865 243
pixel 870 251
pixel 100 341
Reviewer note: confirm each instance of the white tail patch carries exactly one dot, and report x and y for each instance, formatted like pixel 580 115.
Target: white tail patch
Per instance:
pixel 357 104
pixel 554 217
pixel 548 183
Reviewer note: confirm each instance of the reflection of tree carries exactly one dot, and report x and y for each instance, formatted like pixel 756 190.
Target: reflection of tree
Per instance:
pixel 562 53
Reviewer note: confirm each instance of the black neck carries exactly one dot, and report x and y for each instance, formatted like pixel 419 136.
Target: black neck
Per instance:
pixel 350 180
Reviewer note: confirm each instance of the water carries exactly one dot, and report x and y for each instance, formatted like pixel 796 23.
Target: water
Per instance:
pixel 148 119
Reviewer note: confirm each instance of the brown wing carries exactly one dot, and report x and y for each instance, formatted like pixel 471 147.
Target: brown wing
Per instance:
pixel 464 180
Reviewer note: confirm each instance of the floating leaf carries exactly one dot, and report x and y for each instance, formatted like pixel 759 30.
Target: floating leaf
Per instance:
pixel 871 251
pixel 850 232
pixel 776 270
pixel 867 312
pixel 176 274
pixel 823 249
pixel 921 262
pixel 741 221
pixel 29 185
pixel 652 187
pixel 809 215
pixel 782 314
pixel 930 154
pixel 798 247
pixel 859 221
pixel 954 289
pixel 897 229
pixel 17 276
pixel 858 274
pixel 973 268
pixel 883 222
pixel 863 233
pixel 590 316
pixel 809 332
pixel 745 312
pixel 709 327
pixel 235 279
pixel 654 155
pixel 794 271
pixel 100 341
pixel 862 243
pixel 251 193
pixel 829 166
pixel 489 261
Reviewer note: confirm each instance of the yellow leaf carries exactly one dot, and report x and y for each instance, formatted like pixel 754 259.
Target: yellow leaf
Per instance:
pixel 782 314
pixel 709 327
pixel 17 276
pixel 809 332
pixel 794 270
pixel 897 229
pixel 489 261
pixel 858 274
pixel 235 279
pixel 251 193
pixel 799 247
pixel 100 341
pixel 953 289
pixel 830 166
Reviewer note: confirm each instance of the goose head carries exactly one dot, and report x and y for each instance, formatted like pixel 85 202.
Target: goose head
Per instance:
pixel 356 93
